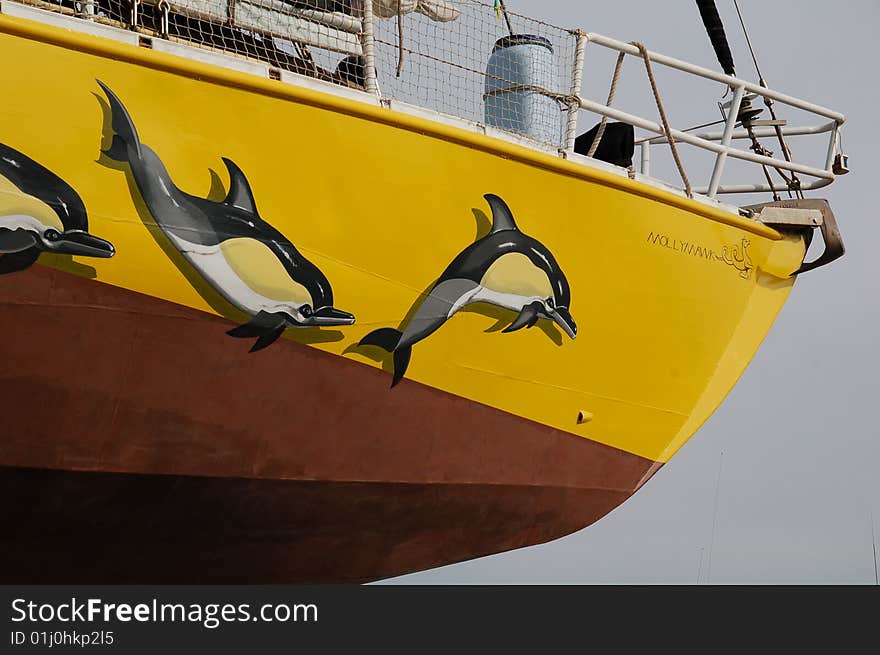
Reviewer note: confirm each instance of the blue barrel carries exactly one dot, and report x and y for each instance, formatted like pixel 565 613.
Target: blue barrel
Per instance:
pixel 517 61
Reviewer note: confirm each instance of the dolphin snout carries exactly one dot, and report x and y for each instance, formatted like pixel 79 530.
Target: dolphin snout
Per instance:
pixel 331 316
pixel 77 242
pixel 563 318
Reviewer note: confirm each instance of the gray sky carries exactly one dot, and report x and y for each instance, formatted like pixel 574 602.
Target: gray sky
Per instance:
pixel 798 433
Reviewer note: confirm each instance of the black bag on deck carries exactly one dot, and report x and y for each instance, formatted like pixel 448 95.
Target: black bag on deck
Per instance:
pixel 617 145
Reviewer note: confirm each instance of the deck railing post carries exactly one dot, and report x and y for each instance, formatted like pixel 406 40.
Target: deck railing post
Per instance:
pixel 646 157
pixel 732 116
pixel 135 18
pixel 832 147
pixel 577 76
pixel 367 44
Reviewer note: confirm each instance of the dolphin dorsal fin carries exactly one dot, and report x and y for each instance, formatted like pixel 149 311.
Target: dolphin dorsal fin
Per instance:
pixel 502 218
pixel 240 194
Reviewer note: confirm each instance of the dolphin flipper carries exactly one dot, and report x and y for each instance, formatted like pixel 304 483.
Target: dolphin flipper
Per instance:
pixel 268 338
pixel 267 327
pixel 18 261
pixel 527 317
pixel 16 240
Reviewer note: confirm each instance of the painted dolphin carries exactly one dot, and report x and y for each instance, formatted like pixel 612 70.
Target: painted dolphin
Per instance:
pixel 506 268
pixel 49 217
pixel 250 263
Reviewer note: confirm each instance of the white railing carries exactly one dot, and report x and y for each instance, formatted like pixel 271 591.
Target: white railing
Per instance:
pixel 446 72
pixel 720 143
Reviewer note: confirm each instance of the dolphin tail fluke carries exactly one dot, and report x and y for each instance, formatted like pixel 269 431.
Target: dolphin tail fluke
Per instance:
pixel 384 338
pixel 401 363
pixel 125 133
pixel 388 339
pixel 265 326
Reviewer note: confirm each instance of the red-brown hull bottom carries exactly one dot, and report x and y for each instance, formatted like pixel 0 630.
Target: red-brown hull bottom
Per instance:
pixel 82 528
pixel 141 444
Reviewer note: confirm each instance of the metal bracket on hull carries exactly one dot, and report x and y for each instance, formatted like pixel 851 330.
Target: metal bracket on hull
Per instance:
pixel 802 216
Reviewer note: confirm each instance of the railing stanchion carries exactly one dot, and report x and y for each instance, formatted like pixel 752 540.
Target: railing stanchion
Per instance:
pixel 368 45
pixel 732 116
pixel 832 146
pixel 685 137
pixel 646 158
pixel 577 76
pixel 135 17
pixel 708 74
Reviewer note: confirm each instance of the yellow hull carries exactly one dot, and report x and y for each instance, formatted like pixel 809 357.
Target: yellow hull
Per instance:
pixel 672 297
